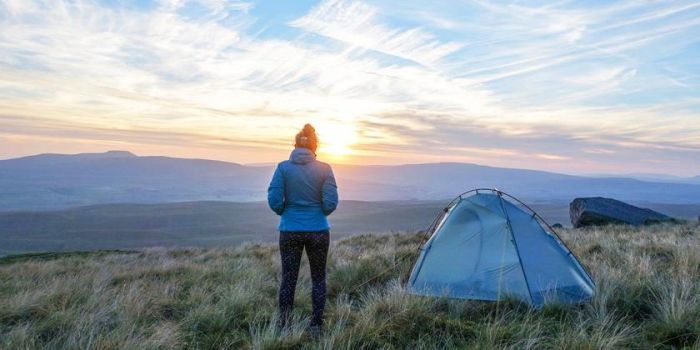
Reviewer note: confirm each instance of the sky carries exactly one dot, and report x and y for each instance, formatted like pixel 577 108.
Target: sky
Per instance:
pixel 574 87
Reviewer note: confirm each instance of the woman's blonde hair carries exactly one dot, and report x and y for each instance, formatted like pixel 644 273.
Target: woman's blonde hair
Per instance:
pixel 307 138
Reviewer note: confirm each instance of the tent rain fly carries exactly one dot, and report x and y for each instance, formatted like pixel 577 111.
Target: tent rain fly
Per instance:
pixel 487 248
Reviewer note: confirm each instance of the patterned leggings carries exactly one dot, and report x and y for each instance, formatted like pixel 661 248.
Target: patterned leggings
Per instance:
pixel 291 246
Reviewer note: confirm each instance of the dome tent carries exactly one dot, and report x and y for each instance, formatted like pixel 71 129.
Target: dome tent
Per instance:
pixel 484 247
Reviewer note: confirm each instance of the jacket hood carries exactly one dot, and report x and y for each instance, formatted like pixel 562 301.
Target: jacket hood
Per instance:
pixel 301 155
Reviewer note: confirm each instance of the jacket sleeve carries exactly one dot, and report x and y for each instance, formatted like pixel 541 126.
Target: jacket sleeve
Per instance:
pixel 330 193
pixel 275 193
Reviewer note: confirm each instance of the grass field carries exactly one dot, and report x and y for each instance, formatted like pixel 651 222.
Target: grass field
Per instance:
pixel 648 297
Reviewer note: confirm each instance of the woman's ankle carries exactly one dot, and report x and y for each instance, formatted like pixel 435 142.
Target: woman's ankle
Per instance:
pixel 316 331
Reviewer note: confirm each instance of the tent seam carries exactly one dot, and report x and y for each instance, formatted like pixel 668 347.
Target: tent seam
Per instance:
pixel 517 251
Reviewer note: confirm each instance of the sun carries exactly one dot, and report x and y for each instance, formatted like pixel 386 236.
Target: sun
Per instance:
pixel 336 140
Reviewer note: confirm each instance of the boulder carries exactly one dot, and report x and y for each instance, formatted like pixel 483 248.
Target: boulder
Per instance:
pixel 603 211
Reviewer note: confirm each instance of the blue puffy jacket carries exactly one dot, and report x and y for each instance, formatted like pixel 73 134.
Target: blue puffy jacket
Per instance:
pixel 303 192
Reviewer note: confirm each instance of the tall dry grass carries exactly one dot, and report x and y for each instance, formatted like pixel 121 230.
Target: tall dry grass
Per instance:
pixel 648 297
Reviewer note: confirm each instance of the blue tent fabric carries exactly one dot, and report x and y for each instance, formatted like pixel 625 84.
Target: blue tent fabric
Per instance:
pixel 486 248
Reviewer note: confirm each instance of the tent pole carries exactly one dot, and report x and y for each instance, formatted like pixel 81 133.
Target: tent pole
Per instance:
pixel 512 236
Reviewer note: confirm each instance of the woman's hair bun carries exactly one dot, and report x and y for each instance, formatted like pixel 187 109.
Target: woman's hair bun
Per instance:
pixel 308 130
pixel 307 138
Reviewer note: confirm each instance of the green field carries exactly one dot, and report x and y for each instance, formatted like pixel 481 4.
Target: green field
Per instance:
pixel 648 297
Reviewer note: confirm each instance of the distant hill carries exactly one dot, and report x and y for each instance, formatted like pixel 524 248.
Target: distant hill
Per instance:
pixel 59 181
pixel 654 177
pixel 446 180
pixel 50 181
pixel 695 179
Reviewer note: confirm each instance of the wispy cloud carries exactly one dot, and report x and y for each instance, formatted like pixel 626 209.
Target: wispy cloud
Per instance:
pixel 358 25
pixel 565 86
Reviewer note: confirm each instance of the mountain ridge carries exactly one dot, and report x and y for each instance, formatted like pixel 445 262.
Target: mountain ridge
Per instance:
pixel 54 181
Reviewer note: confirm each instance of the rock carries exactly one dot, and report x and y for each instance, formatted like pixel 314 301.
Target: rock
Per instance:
pixel 557 225
pixel 603 211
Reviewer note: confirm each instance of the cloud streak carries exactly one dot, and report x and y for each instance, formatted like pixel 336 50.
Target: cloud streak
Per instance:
pixel 561 87
pixel 356 24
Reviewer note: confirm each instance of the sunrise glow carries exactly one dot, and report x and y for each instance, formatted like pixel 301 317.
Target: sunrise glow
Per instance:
pixel 336 140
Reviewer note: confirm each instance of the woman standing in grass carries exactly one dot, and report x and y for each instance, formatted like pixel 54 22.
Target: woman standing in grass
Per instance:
pixel 304 193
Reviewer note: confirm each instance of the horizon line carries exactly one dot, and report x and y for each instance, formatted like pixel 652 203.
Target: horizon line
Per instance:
pixel 633 175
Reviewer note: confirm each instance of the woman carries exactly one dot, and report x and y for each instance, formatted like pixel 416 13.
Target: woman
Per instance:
pixel 303 192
